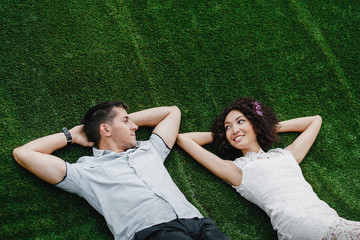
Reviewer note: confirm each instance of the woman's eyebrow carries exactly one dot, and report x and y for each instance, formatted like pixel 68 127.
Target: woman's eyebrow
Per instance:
pixel 241 116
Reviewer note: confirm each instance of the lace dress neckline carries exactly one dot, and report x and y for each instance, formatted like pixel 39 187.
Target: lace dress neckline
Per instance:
pixel 255 155
pixel 251 157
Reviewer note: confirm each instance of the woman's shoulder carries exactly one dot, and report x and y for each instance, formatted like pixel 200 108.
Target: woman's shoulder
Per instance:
pixel 281 153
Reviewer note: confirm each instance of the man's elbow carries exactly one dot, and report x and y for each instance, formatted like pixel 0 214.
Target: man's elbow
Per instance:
pixel 175 109
pixel 16 153
pixel 318 118
pixel 175 112
pixel 19 154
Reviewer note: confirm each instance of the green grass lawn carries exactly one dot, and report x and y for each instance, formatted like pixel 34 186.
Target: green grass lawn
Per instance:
pixel 59 58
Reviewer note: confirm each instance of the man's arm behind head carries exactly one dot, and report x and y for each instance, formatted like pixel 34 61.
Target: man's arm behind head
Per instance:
pixel 165 120
pixel 36 157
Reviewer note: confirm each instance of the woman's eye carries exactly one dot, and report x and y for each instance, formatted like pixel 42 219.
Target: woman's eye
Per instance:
pixel 227 128
pixel 241 121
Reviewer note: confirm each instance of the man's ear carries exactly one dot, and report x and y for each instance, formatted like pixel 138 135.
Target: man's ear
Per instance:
pixel 105 130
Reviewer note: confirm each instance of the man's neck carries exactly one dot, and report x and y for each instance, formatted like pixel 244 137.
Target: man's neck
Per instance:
pixel 110 147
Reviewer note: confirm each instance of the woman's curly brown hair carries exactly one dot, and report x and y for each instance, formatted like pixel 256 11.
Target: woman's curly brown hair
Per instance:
pixel 262 118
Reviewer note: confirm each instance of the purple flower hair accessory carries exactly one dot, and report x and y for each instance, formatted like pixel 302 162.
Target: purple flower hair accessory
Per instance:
pixel 257 108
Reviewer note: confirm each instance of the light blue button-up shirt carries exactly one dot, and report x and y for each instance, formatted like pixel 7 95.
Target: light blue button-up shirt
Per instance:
pixel 132 190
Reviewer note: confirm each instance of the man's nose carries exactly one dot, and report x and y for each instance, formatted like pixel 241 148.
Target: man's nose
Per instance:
pixel 134 126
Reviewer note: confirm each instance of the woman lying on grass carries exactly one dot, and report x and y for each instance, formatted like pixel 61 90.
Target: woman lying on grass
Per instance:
pixel 272 179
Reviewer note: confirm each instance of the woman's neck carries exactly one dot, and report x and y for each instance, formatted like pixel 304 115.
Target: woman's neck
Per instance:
pixel 255 148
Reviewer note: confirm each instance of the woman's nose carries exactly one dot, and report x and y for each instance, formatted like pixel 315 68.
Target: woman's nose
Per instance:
pixel 235 129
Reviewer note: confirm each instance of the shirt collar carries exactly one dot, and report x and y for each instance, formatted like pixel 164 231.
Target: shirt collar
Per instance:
pixel 99 152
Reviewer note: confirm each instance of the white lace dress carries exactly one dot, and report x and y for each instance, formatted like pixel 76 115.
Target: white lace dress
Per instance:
pixel 274 181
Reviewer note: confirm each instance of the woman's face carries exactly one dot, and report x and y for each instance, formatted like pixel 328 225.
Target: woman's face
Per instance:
pixel 240 132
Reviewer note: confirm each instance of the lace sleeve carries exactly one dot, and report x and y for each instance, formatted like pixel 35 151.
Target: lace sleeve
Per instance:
pixel 241 162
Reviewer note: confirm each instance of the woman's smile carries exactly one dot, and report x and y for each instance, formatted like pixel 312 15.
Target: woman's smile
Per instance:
pixel 239 138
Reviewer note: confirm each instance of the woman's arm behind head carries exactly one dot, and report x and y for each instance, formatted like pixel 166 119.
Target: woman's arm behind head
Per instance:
pixel 309 128
pixel 224 169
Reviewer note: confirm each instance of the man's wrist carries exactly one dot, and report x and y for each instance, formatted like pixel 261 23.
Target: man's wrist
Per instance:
pixel 67 135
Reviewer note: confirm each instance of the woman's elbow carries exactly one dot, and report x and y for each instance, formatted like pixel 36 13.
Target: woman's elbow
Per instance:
pixel 179 139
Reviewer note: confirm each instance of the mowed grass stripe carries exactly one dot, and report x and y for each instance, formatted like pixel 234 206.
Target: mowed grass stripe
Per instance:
pixel 120 12
pixel 306 18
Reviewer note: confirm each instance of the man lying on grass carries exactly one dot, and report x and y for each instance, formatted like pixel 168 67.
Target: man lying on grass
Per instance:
pixel 125 180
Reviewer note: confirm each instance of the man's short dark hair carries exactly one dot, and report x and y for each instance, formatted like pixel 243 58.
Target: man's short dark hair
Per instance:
pixel 100 113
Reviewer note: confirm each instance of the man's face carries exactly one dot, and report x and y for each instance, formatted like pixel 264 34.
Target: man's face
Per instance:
pixel 123 130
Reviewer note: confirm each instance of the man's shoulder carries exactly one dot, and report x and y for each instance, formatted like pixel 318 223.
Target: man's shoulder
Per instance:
pixel 155 142
pixel 156 139
pixel 83 160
